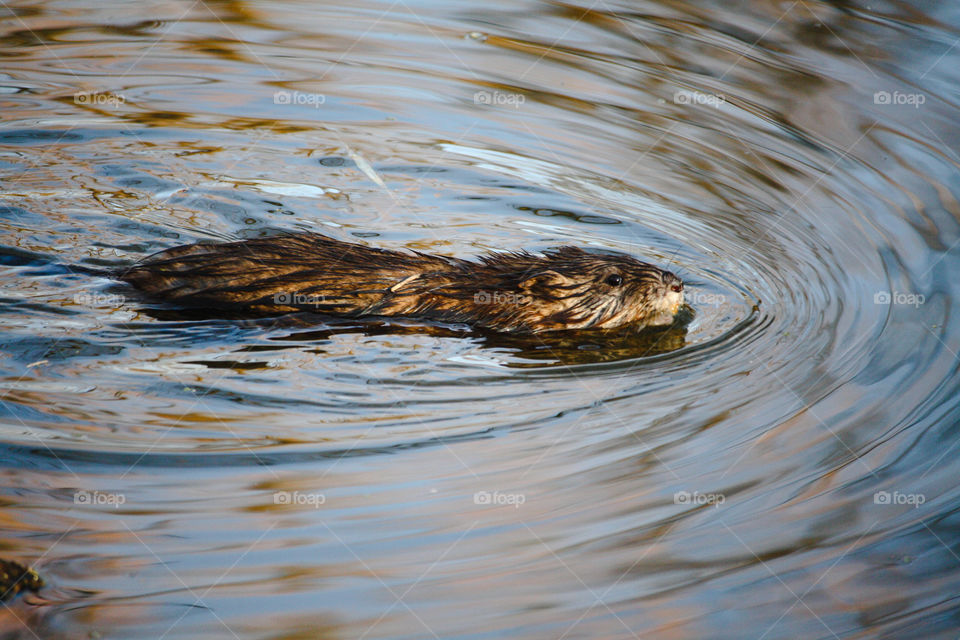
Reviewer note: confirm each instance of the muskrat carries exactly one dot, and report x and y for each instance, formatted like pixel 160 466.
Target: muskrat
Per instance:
pixel 564 288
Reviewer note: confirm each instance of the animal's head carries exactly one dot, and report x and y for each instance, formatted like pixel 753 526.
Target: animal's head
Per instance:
pixel 581 290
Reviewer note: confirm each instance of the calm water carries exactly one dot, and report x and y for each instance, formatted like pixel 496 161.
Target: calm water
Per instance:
pixel 784 466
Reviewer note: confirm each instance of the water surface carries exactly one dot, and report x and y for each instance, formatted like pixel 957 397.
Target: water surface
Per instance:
pixel 782 466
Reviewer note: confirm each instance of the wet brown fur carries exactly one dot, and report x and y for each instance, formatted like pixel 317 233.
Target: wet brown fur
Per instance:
pixel 565 288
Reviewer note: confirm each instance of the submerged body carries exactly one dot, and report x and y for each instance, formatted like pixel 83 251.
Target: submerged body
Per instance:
pixel 565 288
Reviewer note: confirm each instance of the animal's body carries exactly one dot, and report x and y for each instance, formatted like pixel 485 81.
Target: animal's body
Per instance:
pixel 564 288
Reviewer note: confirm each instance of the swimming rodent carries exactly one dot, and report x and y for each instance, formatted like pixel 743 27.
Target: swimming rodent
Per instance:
pixel 562 289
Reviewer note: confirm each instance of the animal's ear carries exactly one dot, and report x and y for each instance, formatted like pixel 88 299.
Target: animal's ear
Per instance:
pixel 549 278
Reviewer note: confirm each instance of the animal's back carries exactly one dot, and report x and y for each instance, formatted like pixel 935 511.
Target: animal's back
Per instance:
pixel 279 273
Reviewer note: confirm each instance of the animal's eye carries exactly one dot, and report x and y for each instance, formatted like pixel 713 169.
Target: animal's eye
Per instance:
pixel 614 280
pixel 677 288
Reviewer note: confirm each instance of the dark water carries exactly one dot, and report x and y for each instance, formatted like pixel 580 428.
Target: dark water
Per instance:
pixel 785 466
